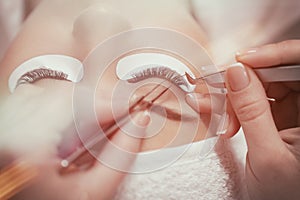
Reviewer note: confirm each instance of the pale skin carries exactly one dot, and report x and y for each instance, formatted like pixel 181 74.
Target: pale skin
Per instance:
pixel 64 27
pixel 73 44
pixel 76 35
pixel 271 130
pixel 272 133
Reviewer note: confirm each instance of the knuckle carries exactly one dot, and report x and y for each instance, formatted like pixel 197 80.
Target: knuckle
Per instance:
pixel 251 110
pixel 282 49
pixel 286 43
pixel 270 163
pixel 273 161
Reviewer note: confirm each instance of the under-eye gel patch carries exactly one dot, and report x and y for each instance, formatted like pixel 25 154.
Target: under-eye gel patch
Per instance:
pixel 58 67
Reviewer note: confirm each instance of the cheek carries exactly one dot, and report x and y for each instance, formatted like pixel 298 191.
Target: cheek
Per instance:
pixel 167 133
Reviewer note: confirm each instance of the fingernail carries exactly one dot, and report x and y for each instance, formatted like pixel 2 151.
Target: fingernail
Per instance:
pixel 223 125
pixel 246 52
pixel 136 127
pixel 237 77
pixel 143 118
pixel 194 96
pixel 193 100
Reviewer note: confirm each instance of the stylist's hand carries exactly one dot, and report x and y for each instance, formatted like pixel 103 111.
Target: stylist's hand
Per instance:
pixel 32 122
pixel 272 132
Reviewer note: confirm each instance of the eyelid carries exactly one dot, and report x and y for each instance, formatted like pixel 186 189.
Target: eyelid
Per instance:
pixel 66 65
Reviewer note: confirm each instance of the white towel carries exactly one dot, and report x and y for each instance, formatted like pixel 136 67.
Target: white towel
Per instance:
pixel 220 175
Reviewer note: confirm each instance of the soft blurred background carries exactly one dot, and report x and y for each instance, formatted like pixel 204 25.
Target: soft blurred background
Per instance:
pixel 12 14
pixel 236 24
pixel 230 24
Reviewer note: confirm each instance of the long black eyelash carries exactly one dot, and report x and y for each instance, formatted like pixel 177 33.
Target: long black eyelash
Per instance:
pixel 42 73
pixel 160 72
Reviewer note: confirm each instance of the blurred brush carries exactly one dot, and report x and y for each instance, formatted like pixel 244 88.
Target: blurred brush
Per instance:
pixel 14 178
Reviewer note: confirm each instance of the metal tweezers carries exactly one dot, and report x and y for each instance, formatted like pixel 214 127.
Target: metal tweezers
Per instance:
pixel 140 105
pixel 266 74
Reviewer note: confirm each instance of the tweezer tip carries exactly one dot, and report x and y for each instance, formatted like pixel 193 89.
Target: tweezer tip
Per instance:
pixel 64 163
pixel 190 79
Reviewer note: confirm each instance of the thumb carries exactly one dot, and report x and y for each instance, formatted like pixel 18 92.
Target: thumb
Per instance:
pixel 250 104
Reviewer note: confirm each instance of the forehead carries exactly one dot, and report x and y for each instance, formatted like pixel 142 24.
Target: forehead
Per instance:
pixel 51 29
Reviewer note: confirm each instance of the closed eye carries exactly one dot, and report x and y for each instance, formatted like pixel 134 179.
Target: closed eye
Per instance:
pixel 41 73
pixel 138 67
pixel 163 72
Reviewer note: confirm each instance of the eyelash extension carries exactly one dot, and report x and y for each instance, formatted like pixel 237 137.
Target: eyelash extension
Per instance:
pixel 160 72
pixel 41 73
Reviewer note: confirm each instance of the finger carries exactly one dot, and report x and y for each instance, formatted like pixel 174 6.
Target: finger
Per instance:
pixel 208 103
pixel 201 103
pixel 233 125
pixel 104 178
pixel 291 136
pixel 249 102
pixel 292 139
pixel 282 53
pixel 108 110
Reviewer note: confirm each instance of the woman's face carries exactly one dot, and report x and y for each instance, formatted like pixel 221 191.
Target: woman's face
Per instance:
pixel 75 27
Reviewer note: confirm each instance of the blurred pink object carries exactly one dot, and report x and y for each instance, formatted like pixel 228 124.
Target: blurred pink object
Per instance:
pixel 11 17
pixel 236 24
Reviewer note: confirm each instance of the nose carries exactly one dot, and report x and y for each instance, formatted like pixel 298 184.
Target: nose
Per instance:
pixel 95 24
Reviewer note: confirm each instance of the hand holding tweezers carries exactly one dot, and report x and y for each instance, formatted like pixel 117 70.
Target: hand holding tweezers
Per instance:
pixel 267 74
